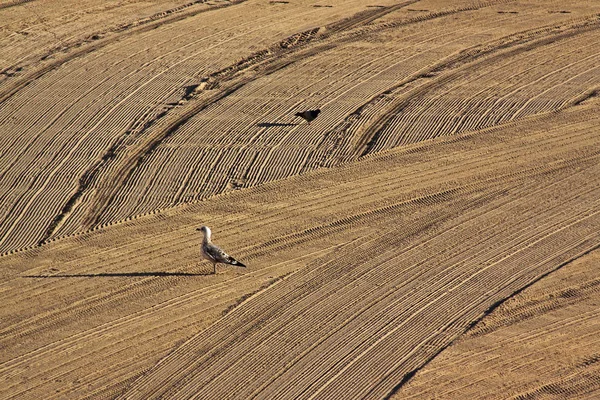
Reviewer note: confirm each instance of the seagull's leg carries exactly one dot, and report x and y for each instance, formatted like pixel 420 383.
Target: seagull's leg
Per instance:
pixel 214 268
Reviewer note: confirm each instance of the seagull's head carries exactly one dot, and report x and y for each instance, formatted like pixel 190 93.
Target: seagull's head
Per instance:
pixel 205 230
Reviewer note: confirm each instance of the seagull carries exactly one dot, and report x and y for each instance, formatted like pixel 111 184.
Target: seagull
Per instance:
pixel 308 115
pixel 213 253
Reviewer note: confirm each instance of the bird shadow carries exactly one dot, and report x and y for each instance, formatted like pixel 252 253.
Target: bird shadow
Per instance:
pixel 117 274
pixel 273 124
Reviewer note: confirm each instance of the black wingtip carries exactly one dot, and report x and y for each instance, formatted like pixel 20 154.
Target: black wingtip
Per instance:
pixel 239 264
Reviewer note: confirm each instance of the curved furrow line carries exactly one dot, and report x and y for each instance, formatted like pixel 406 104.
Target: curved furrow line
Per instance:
pixel 41 321
pixel 532 335
pixel 344 91
pixel 79 49
pixel 68 208
pixel 310 348
pixel 284 137
pixel 262 131
pixel 528 103
pixel 57 348
pixel 364 142
pixel 349 58
pixel 63 161
pixel 286 303
pixel 400 362
pixel 486 88
pixel 224 202
pixel 498 47
pixel 490 108
pixel 27 149
pixel 529 83
pixel 342 302
pixel 143 151
pixel 293 379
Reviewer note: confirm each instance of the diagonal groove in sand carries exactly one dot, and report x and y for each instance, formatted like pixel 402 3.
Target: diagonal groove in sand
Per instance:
pixel 247 164
pixel 218 341
pixel 313 199
pixel 520 190
pixel 522 247
pixel 484 117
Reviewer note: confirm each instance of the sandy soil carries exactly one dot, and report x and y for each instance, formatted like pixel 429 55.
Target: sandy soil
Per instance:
pixel 541 343
pixel 430 235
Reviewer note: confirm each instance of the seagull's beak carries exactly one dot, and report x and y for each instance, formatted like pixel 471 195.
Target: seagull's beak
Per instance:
pixel 198 229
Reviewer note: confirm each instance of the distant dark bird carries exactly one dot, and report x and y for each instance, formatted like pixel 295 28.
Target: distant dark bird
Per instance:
pixel 213 253
pixel 308 115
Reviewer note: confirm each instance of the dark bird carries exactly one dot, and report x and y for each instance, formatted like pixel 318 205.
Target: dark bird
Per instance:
pixel 213 253
pixel 308 115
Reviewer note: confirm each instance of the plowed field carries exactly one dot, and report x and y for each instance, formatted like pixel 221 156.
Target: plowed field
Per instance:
pixel 430 235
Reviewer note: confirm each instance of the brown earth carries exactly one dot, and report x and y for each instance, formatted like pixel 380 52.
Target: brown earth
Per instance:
pixel 541 343
pixel 455 165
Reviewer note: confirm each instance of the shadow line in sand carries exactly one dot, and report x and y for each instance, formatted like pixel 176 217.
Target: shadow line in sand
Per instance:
pixel 273 124
pixel 117 274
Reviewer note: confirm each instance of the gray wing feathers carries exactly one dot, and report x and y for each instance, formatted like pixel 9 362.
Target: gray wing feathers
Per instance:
pixel 219 256
pixel 216 253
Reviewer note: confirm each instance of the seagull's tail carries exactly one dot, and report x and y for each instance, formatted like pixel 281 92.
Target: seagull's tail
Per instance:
pixel 237 263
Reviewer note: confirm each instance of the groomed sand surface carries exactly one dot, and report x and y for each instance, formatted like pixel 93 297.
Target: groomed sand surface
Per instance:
pixel 431 235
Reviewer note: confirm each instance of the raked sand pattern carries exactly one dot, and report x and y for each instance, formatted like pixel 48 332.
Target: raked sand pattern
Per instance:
pixel 455 164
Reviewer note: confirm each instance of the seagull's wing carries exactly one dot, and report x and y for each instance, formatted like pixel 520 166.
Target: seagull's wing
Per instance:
pixel 215 253
pixel 218 255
